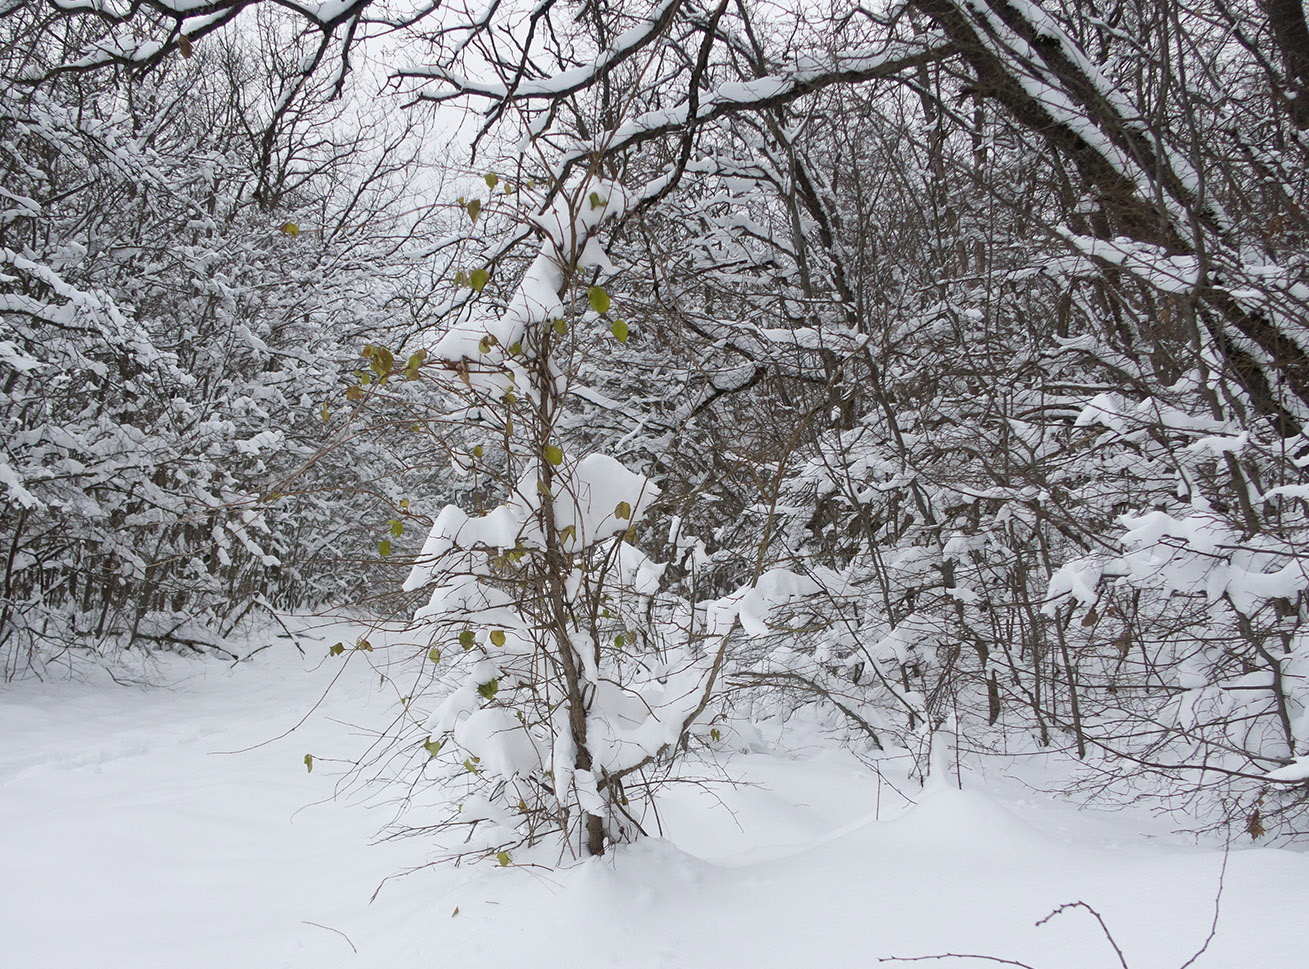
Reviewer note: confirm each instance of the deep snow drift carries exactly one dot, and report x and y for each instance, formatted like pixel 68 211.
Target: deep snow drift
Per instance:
pixel 130 838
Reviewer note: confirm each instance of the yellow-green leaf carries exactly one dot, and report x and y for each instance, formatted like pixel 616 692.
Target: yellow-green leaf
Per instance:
pixel 491 179
pixel 336 649
pixel 554 455
pixel 474 209
pixel 309 763
pixel 383 360
pixel 397 527
pixel 619 330
pixel 504 858
pixel 433 747
pixel 384 547
pixel 561 326
pixel 290 229
pixel 434 655
pixel 466 639
pixel 497 637
pixel 478 280
pixel 623 510
pixel 489 688
pixel 598 299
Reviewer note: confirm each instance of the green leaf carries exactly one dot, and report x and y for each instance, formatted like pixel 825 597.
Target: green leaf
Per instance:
pixel 497 637
pixel 470 764
pixel 504 858
pixel 489 688
pixel 474 209
pixel 384 547
pixel 364 645
pixel 478 451
pixel 309 763
pixel 554 455
pixel 397 527
pixel 383 361
pixel 516 349
pixel 715 734
pixel 486 343
pixel 561 326
pixel 619 330
pixel 466 639
pixel 491 179
pixel 433 747
pixel 478 280
pixel 336 650
pixel 290 229
pixel 567 533
pixel 623 510
pixel 598 299
pixel 620 641
pixel 434 655
pixel 461 278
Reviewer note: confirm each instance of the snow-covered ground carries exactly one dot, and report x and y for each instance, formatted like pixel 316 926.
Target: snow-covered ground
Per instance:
pixel 131 836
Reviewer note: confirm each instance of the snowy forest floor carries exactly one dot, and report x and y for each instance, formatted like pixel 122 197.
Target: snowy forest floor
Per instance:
pixel 128 838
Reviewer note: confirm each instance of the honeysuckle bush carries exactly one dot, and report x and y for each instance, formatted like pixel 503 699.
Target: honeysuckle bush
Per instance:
pixel 564 673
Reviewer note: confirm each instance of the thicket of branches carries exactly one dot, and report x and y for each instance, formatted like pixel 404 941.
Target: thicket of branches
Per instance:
pixel 191 256
pixel 961 346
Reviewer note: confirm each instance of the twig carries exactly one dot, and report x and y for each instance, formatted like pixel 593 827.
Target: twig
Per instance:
pixel 1213 926
pixel 1096 915
pixel 330 929
pixel 957 955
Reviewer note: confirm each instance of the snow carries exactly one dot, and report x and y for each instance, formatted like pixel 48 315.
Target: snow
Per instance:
pixel 176 825
pixel 1292 773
